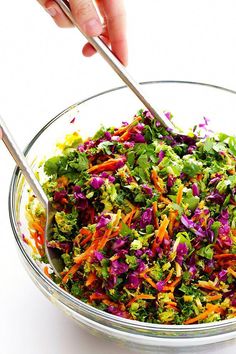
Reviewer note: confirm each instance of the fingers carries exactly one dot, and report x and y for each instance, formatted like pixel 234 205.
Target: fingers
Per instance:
pixel 116 22
pixel 88 49
pixel 86 16
pixel 56 13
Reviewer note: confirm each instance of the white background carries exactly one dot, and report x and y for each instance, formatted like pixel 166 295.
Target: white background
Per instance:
pixel 42 72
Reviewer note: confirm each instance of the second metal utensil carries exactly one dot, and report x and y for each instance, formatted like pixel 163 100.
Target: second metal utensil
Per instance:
pixel 116 65
pixel 53 257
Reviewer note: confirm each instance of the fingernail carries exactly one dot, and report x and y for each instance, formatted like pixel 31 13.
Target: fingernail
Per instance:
pixel 52 11
pixel 93 27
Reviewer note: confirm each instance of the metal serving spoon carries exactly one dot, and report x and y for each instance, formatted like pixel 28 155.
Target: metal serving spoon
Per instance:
pixel 52 254
pixel 116 65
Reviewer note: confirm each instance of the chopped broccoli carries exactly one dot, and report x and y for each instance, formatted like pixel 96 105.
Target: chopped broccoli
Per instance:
pixel 66 222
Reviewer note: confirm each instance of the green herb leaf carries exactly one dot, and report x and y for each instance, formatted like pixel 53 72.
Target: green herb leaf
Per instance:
pixel 232 145
pixel 192 167
pixel 183 237
pixel 100 133
pixel 206 252
pixel 125 230
pixel 76 290
pixel 52 165
pixel 80 163
pixel 215 227
pixel 223 185
pixel 104 146
pixel 131 158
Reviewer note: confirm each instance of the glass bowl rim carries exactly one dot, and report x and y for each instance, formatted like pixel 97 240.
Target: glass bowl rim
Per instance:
pixel 68 297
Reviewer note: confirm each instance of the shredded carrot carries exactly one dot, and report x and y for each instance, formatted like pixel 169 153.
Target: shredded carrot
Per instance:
pixel 206 285
pixel 104 239
pixel 172 217
pixel 111 303
pixel 227 263
pixel 169 276
pixel 116 233
pixel 88 238
pixel 108 233
pixel 171 296
pixel 84 231
pixel 141 297
pixel 115 257
pixel 175 282
pixel 150 281
pixel 78 260
pixel 162 229
pixel 62 181
pixel 210 308
pixel 39 241
pixel 232 272
pixel 173 303
pixel 143 275
pixel 38 236
pixel 98 297
pixel 45 270
pixel 71 272
pixel 171 287
pixel 164 200
pixel 199 177
pixel 91 278
pixel 157 181
pixel 225 255
pixel 171 306
pixel 160 234
pixel 64 201
pixel 156 223
pixel 176 224
pixel 126 135
pixel 217 249
pixel 90 235
pixel 179 194
pixel 131 217
pixel 38 227
pixel 128 127
pixel 214 297
pixel 127 132
pixel 120 131
pixel 109 165
pixel 128 216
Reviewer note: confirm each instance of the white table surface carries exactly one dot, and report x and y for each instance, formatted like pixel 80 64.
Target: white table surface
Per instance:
pixel 41 73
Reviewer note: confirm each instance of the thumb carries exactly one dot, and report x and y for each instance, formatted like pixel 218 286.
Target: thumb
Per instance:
pixel 86 16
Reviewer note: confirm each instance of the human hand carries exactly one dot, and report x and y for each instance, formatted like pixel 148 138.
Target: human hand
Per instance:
pixel 113 30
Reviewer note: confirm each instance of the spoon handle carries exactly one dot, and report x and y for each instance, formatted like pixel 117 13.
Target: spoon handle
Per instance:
pixel 116 65
pixel 22 163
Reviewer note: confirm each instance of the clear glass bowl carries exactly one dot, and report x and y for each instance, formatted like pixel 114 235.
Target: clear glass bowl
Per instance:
pixel 189 102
